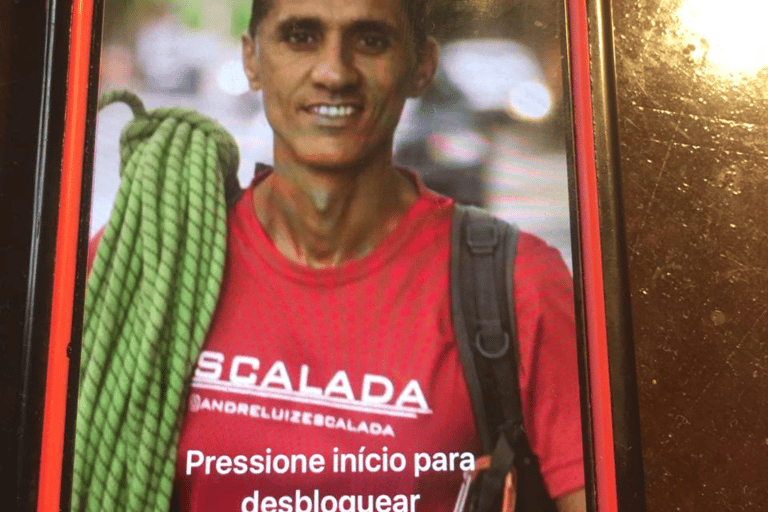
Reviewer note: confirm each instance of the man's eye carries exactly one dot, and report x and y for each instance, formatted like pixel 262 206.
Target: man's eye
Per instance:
pixel 300 38
pixel 373 42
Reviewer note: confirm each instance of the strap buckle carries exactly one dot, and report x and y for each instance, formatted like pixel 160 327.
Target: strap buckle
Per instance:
pixel 483 236
pixel 512 430
pixel 491 340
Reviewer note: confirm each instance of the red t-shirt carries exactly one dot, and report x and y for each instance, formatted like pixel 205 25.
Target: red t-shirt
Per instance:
pixel 309 375
pixel 305 369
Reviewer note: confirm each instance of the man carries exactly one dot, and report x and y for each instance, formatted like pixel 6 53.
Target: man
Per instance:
pixel 330 372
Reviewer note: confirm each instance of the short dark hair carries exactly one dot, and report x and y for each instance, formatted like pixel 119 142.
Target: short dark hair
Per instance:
pixel 415 10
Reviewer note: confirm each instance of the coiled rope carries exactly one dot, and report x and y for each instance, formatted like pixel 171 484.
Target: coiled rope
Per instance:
pixel 151 293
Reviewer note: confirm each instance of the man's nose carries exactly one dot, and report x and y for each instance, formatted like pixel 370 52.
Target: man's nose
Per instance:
pixel 335 68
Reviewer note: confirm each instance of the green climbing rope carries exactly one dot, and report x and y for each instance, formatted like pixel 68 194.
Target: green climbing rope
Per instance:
pixel 151 293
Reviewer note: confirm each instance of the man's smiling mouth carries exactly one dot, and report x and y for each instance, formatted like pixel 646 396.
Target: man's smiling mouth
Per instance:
pixel 334 111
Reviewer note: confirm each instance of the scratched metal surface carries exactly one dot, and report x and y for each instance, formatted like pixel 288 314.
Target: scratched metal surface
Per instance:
pixel 693 132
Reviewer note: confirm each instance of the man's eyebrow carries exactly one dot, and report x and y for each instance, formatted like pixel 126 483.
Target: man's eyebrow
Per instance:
pixel 317 25
pixel 294 22
pixel 367 25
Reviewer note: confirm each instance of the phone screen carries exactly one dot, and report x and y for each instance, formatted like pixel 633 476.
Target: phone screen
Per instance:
pixel 283 336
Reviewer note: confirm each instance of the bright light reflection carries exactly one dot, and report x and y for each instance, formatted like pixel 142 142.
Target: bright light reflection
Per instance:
pixel 530 100
pixel 734 32
pixel 231 78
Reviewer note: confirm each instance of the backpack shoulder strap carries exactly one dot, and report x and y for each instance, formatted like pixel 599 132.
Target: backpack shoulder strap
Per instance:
pixel 482 270
pixel 482 267
pixel 483 250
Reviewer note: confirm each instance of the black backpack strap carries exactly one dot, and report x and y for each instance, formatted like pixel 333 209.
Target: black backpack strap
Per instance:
pixel 483 250
pixel 232 190
pixel 482 271
pixel 462 279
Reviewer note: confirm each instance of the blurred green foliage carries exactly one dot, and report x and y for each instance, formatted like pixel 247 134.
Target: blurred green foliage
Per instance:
pixel 241 16
pixel 189 14
pixel 122 18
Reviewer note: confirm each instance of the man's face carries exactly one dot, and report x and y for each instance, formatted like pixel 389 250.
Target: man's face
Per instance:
pixel 335 75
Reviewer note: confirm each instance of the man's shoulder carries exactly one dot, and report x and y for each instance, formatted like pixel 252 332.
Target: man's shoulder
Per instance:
pixel 541 275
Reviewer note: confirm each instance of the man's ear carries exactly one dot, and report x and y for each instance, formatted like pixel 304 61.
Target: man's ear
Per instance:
pixel 425 68
pixel 251 62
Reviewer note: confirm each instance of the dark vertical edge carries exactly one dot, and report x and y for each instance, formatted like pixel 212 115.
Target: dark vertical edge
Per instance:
pixel 578 288
pixel 49 119
pixel 5 65
pixel 621 350
pixel 21 70
pixel 73 350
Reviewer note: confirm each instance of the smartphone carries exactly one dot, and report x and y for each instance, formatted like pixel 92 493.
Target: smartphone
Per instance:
pixel 498 121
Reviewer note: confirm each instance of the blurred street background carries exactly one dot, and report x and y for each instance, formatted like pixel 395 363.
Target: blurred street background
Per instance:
pixel 490 131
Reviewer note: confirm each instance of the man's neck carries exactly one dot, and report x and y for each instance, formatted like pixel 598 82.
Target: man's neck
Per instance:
pixel 322 218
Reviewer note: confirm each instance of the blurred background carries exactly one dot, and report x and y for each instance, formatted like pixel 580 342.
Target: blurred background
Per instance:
pixel 490 131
